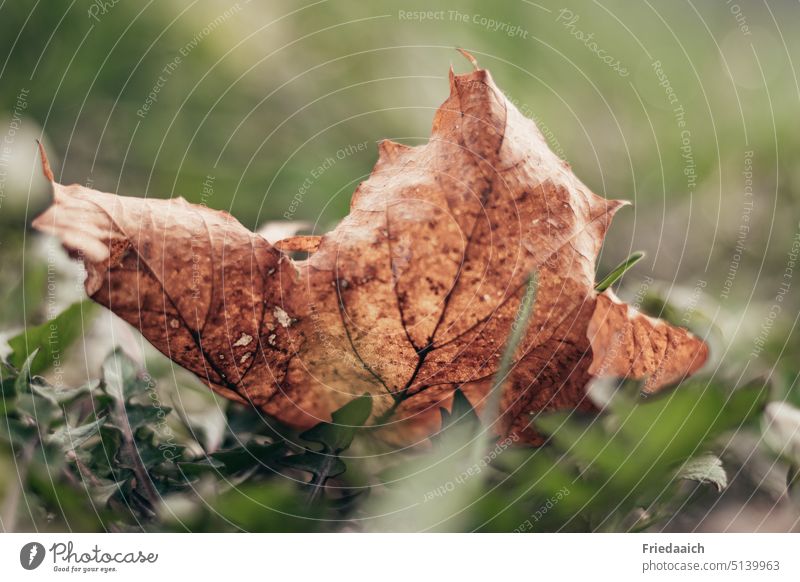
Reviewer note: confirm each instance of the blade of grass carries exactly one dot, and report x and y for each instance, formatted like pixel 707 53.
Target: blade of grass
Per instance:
pixel 518 329
pixel 619 271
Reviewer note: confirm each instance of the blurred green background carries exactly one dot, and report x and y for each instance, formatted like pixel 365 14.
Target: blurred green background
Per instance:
pixel 688 109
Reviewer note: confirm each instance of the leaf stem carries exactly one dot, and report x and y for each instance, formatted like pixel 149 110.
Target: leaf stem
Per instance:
pixel 131 455
pixel 317 482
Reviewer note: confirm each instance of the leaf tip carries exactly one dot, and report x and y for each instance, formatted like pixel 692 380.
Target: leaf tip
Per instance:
pixel 389 151
pixel 48 173
pixel 467 55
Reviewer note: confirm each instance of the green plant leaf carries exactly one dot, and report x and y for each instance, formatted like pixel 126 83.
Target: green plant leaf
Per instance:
pixel 140 415
pixel 8 395
pixel 122 378
pixel 322 466
pixel 461 414
pixel 336 436
pixel 62 396
pixel 23 379
pixel 249 456
pixel 705 469
pixel 16 432
pixel 104 456
pixel 68 438
pixel 40 407
pixel 51 338
pixel 619 271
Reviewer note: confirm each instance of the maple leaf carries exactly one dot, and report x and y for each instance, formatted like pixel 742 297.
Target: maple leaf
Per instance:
pixel 410 297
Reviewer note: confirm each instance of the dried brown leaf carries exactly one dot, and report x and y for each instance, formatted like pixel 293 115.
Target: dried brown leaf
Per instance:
pixel 409 297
